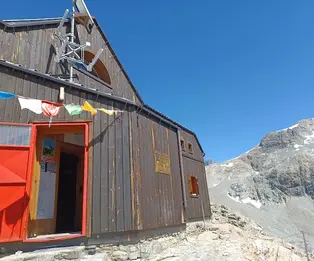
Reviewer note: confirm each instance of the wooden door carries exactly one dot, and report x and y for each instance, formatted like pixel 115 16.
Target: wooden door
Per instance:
pixel 44 190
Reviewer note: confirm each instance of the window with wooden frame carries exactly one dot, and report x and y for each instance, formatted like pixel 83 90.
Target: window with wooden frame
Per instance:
pixel 193 186
pixel 182 144
pixel 190 148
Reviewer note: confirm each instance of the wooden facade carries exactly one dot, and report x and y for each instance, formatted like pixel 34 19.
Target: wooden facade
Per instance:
pixel 137 170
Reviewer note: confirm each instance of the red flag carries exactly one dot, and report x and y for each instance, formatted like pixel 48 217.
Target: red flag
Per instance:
pixel 50 109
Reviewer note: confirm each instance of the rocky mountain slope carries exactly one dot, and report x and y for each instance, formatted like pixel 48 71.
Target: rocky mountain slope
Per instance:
pixel 273 183
pixel 208 162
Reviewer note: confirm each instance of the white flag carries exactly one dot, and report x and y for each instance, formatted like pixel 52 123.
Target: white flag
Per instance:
pixel 31 104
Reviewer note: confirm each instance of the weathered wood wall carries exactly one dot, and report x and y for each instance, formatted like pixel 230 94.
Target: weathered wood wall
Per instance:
pixel 123 154
pixel 33 47
pixel 193 165
pixel 157 197
pixel 111 189
pixel 119 80
pixel 196 204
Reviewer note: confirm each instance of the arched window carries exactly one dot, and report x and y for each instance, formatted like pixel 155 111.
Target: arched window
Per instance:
pixel 99 69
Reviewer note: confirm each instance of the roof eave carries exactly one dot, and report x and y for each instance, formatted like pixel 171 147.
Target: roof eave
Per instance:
pixel 178 125
pixel 31 22
pixel 117 60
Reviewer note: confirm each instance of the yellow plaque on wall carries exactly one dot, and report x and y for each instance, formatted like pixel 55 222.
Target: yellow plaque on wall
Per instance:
pixel 162 163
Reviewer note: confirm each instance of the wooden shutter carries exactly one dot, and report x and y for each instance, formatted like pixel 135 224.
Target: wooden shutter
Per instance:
pixel 195 186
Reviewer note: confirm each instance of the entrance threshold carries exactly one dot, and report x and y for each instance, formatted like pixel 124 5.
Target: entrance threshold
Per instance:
pixel 55 236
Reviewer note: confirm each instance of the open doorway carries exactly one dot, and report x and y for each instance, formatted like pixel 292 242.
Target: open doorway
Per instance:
pixel 67 196
pixel 56 205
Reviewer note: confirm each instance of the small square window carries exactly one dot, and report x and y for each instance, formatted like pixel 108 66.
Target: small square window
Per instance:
pixel 193 186
pixel 182 144
pixel 190 148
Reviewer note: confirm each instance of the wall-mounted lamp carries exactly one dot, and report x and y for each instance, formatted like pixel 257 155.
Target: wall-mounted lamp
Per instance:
pixel 61 94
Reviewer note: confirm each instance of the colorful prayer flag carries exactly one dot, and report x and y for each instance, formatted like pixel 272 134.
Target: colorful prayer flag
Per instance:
pixel 88 107
pixel 30 104
pixel 6 95
pixel 73 109
pixel 109 112
pixel 50 109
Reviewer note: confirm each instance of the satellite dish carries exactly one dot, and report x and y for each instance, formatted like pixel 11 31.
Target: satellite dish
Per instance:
pixel 84 15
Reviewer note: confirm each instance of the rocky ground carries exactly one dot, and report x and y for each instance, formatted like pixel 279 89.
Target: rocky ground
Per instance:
pixel 226 237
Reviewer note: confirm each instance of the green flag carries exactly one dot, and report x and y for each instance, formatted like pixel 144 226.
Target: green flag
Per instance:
pixel 73 109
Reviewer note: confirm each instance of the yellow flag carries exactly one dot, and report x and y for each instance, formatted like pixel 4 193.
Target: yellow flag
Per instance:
pixel 109 112
pixel 88 107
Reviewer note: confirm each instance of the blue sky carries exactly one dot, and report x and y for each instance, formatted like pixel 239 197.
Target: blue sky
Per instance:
pixel 231 71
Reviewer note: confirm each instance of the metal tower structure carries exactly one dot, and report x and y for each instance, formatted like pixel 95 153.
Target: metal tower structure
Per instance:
pixel 69 50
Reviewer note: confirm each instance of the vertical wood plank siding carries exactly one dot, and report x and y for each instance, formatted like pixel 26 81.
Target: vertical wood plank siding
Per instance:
pixel 158 197
pixel 127 193
pixel 137 198
pixel 197 153
pixel 193 165
pixel 111 188
pixel 33 47
pixel 194 205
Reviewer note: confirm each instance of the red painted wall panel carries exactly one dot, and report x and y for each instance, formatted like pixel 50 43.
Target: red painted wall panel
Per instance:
pixel 15 159
pixel 13 199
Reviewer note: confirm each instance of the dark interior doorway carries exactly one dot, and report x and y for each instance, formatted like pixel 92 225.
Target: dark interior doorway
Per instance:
pixel 67 201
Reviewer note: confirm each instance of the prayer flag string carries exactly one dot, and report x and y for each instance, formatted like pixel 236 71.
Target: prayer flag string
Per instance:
pixel 52 109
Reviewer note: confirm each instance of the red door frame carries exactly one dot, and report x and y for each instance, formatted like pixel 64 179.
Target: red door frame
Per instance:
pixel 29 179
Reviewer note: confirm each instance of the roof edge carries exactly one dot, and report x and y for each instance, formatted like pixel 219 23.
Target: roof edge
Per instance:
pixel 51 21
pixel 16 23
pixel 147 108
pixel 177 124
pixel 117 60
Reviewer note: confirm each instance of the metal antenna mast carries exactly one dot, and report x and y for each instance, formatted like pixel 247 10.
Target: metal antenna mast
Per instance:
pixel 72 37
pixel 70 51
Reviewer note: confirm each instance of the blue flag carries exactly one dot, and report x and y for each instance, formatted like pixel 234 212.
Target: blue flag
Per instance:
pixel 6 95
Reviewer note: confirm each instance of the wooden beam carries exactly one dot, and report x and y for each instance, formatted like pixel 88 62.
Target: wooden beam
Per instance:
pixel 182 175
pixel 90 182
